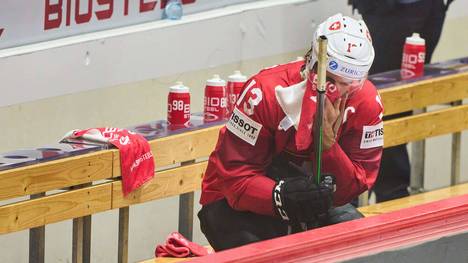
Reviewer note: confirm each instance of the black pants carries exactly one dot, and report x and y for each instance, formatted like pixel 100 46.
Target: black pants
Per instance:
pixel 389 30
pixel 226 228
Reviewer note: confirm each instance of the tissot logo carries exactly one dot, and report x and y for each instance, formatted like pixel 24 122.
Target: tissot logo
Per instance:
pixel 241 123
pixel 373 134
pixel 244 127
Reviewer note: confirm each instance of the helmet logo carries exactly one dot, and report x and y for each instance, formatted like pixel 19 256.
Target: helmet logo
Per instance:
pixel 350 45
pixel 335 26
pixel 333 65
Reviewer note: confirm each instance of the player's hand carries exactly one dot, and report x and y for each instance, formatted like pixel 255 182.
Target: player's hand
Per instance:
pixel 299 199
pixel 332 119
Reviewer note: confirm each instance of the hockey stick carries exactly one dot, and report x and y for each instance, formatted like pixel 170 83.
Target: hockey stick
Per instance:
pixel 318 121
pixel 321 89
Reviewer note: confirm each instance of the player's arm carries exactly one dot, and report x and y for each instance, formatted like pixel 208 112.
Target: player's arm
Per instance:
pixel 355 159
pixel 243 152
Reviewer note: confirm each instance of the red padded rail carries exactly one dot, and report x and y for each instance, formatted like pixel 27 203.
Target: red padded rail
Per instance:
pixel 361 237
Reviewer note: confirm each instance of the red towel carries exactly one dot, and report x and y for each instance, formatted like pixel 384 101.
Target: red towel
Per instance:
pixel 136 158
pixel 180 247
pixel 304 129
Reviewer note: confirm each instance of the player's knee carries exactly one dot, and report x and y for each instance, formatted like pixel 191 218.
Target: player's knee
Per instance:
pixel 343 214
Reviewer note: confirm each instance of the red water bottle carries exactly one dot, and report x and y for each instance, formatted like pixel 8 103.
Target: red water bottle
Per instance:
pixel 414 53
pixel 234 87
pixel 178 105
pixel 215 102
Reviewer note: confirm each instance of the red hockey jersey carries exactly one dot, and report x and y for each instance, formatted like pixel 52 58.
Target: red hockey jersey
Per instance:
pixel 264 124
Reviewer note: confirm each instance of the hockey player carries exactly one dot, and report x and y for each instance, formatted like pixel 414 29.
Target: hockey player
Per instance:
pixel 258 184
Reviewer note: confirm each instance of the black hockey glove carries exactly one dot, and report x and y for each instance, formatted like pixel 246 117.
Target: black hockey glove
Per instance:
pixel 299 199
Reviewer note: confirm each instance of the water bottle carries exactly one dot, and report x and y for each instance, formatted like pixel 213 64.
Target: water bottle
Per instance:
pixel 215 102
pixel 173 10
pixel 178 105
pixel 414 52
pixel 234 88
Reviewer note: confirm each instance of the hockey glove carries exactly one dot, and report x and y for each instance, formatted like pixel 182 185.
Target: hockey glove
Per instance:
pixel 299 199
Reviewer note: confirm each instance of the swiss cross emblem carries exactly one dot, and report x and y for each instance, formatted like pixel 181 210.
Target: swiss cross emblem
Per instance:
pixel 335 26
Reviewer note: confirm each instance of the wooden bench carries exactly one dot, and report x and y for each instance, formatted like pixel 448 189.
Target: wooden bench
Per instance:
pixel 414 200
pixel 78 187
pixel 78 198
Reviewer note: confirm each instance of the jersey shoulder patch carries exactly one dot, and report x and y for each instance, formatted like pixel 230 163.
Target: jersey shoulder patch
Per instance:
pixel 372 136
pixel 244 127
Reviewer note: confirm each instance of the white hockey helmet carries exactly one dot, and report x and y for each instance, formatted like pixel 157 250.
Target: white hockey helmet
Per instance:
pixel 350 51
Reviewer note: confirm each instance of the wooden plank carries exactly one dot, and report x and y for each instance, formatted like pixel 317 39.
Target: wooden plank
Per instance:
pixel 417 164
pixel 414 200
pixel 55 208
pixel 185 146
pixel 164 184
pixel 455 168
pixel 55 174
pixel 455 173
pixel 179 148
pixel 186 202
pixel 37 240
pixel 87 238
pixel 81 247
pixel 77 246
pixel 424 93
pixel 418 127
pixel 124 217
pixel 37 245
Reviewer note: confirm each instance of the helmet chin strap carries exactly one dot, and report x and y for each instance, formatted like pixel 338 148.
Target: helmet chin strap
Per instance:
pixel 305 74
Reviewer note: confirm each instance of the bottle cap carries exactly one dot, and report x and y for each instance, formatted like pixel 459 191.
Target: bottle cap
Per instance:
pixel 179 88
pixel 216 81
pixel 415 39
pixel 237 77
pixel 173 10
